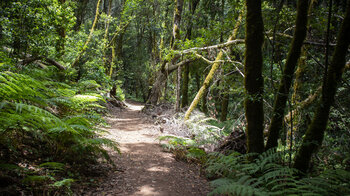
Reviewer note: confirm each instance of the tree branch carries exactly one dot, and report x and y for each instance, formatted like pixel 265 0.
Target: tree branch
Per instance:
pixel 30 58
pixel 223 45
pixel 175 66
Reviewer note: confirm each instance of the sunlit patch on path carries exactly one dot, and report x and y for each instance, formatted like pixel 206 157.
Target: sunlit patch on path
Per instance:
pixel 144 168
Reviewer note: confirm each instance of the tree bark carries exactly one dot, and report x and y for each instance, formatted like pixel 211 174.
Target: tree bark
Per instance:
pixel 212 71
pixel 80 13
pixel 186 78
pixel 176 37
pixel 315 133
pixel 105 37
pixel 253 81
pixel 75 62
pixel 287 77
pixel 224 104
pixel 61 31
pixel 184 102
pixel 165 70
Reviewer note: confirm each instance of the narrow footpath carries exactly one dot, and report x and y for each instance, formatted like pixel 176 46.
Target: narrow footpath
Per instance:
pixel 144 168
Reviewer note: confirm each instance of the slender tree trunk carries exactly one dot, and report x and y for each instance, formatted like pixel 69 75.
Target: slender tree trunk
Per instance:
pixel 315 133
pixel 185 86
pixel 212 71
pixel 112 61
pixel 62 34
pixel 253 81
pixel 287 77
pixel 105 37
pixel 224 104
pixel 205 101
pixel 80 13
pixel 163 73
pixel 1 33
pixel 89 37
pixel 299 122
pixel 192 7
pixel 178 89
pixel 176 37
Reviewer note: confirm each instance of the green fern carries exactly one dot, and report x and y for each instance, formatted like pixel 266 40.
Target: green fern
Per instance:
pixel 266 175
pixel 55 166
pixel 52 113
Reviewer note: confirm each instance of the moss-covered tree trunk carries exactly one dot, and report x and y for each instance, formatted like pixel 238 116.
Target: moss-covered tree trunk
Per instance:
pixel 82 51
pixel 61 31
pixel 253 81
pixel 184 102
pixel 205 101
pixel 80 13
pixel 185 82
pixel 163 73
pixel 205 85
pixel 224 104
pixel 212 71
pixel 315 133
pixel 176 37
pixel 288 72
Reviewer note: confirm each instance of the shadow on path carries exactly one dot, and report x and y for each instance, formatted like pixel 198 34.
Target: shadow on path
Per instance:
pixel 143 168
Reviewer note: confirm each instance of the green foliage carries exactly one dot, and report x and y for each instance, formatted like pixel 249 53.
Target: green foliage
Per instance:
pixel 266 174
pixel 53 166
pixel 63 183
pixel 32 24
pixel 41 119
pixel 184 149
pixel 35 180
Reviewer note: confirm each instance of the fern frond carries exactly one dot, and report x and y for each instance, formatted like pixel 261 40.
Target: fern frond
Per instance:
pixel 226 186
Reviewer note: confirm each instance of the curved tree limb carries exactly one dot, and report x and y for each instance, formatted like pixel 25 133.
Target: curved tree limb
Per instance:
pixel 217 46
pixel 30 58
pixel 214 67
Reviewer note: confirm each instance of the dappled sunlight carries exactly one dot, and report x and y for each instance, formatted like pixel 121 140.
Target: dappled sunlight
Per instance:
pixel 158 169
pixel 147 190
pixel 133 106
pixel 146 168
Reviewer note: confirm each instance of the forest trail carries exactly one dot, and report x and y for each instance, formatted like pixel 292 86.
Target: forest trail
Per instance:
pixel 144 168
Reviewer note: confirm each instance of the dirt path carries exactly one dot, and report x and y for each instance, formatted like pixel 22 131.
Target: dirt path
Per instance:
pixel 143 167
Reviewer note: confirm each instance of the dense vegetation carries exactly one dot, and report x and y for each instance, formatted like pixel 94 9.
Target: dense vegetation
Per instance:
pixel 272 76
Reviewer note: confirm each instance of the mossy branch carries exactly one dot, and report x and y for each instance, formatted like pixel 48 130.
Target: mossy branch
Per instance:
pixel 89 37
pixel 214 67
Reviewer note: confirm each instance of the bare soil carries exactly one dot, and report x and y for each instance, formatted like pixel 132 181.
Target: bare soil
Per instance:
pixel 144 168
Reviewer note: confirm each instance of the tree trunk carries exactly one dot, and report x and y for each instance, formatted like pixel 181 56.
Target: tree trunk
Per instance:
pixel 163 73
pixel 80 13
pixel 253 81
pixel 89 37
pixel 192 7
pixel 185 86
pixel 105 37
pixel 287 77
pixel 60 43
pixel 224 104
pixel 176 37
pixel 178 89
pixel 205 101
pixel 315 133
pixel 212 71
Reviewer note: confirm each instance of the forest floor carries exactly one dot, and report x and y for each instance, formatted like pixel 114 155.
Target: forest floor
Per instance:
pixel 143 168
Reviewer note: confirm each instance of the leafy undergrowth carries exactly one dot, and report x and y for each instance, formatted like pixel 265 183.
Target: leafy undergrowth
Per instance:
pixel 269 175
pixel 248 174
pixel 49 133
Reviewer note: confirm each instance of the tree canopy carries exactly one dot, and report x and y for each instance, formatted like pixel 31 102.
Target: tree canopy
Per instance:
pixel 272 76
